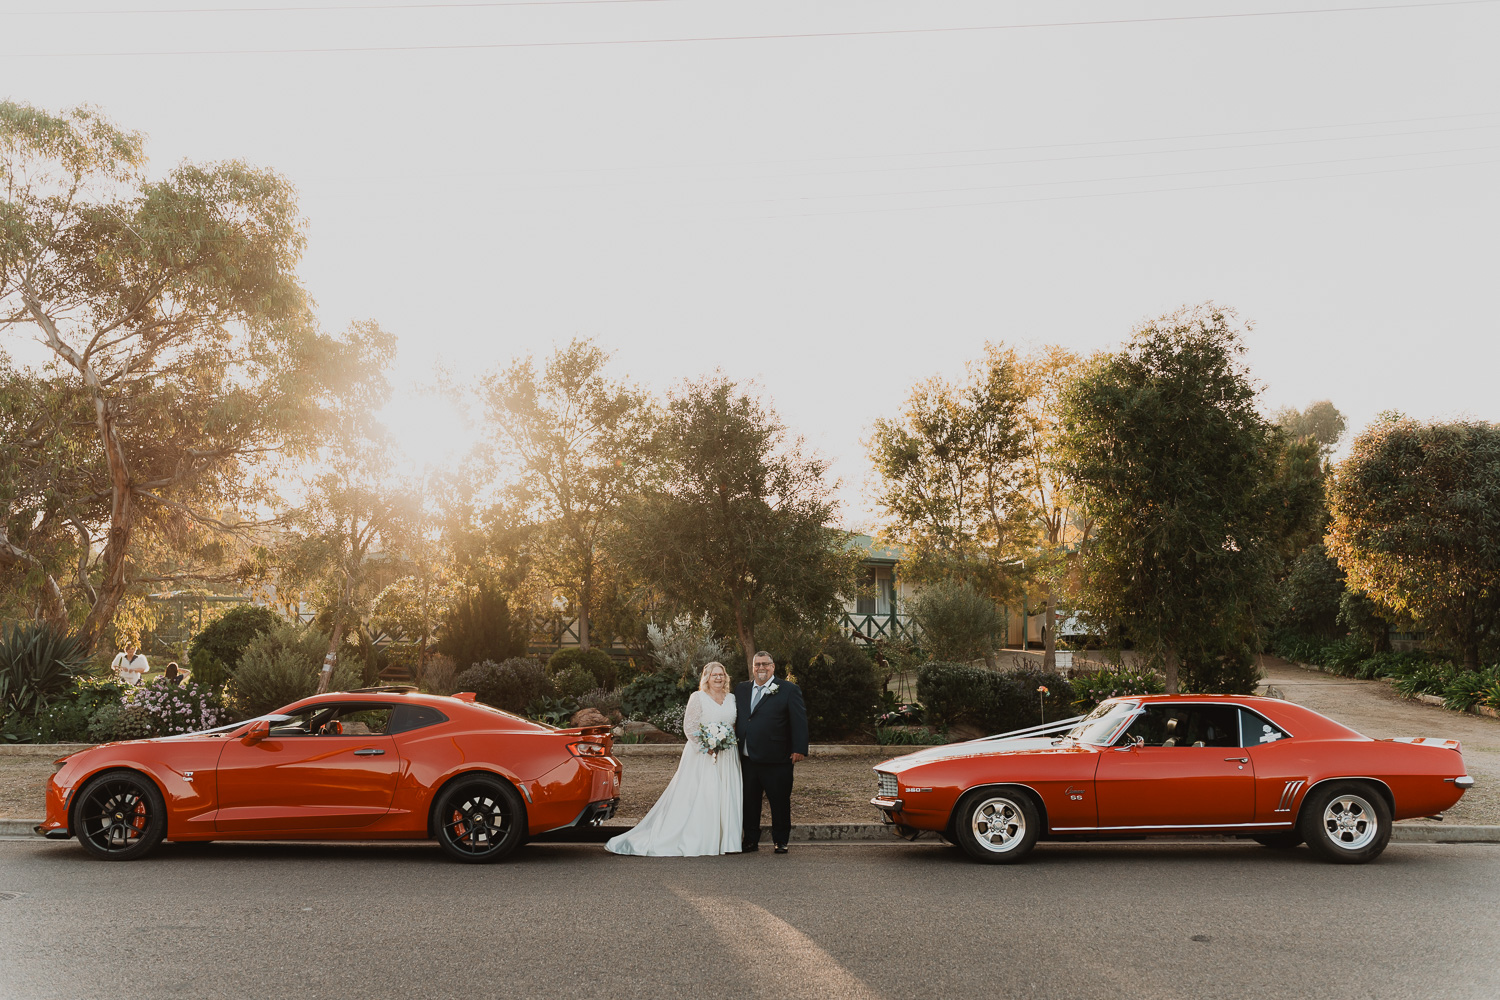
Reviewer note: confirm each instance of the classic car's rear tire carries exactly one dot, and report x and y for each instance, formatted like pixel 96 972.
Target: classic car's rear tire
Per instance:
pixel 1278 841
pixel 480 819
pixel 120 816
pixel 1346 822
pixel 996 826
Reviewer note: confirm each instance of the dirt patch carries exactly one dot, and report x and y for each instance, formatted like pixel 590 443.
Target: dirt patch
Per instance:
pixel 23 786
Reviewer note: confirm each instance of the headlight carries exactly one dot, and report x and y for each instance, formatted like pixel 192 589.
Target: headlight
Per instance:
pixel 887 789
pixel 587 749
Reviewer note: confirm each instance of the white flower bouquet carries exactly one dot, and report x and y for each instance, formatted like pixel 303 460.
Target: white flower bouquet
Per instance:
pixel 715 736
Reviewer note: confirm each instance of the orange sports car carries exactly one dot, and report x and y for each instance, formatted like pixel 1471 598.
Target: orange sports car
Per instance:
pixel 377 763
pixel 1177 764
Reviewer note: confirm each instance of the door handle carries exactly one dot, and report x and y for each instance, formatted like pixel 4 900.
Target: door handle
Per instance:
pixel 1240 760
pixel 368 752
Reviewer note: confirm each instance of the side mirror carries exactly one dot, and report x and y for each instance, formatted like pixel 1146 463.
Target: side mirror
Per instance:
pixel 1132 743
pixel 258 731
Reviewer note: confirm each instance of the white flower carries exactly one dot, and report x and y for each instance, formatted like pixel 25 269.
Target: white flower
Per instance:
pixel 771 688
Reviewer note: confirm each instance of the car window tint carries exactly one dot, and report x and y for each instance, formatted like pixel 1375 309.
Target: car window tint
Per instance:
pixel 364 721
pixel 409 717
pixel 1187 726
pixel 1256 729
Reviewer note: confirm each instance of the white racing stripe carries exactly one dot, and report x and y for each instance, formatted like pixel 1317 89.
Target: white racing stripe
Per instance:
pixel 797 966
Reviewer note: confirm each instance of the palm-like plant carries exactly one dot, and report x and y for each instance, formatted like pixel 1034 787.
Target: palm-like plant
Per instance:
pixel 38 663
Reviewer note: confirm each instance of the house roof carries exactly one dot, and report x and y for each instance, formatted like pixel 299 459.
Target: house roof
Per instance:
pixel 883 555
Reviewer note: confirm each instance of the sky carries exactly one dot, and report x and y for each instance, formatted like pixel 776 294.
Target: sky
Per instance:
pixel 836 199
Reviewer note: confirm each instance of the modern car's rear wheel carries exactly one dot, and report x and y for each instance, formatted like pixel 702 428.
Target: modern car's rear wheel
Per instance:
pixel 1345 822
pixel 480 819
pixel 1278 841
pixel 996 826
pixel 120 816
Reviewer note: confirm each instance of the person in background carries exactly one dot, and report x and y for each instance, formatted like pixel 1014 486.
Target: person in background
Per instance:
pixel 172 674
pixel 130 666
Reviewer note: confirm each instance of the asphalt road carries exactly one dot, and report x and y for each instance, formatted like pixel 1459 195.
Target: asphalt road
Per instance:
pixel 1144 920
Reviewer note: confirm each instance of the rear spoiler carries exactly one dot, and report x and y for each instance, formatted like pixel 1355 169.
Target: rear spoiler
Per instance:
pixel 1428 741
pixel 587 731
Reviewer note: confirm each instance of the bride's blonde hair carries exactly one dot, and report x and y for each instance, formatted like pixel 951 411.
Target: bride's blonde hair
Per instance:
pixel 703 682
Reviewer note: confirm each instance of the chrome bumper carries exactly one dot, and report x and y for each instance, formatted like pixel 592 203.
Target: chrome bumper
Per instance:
pixel 1463 781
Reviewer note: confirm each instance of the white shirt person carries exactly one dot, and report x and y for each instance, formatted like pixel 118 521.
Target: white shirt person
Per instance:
pixel 130 666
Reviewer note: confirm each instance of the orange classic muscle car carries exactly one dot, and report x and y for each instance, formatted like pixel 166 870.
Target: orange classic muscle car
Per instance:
pixel 1174 764
pixel 378 763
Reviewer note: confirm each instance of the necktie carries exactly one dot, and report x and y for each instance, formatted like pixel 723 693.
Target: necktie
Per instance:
pixel 755 698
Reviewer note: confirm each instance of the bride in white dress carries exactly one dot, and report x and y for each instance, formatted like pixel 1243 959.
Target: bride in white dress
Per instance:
pixel 700 811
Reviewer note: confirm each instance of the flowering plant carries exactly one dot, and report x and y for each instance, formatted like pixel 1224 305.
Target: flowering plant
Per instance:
pixel 771 689
pixel 175 708
pixel 715 736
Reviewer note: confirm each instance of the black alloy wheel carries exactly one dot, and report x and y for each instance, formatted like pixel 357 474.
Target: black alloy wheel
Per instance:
pixel 480 819
pixel 120 816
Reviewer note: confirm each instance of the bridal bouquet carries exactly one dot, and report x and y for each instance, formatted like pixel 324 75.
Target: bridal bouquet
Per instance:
pixel 716 736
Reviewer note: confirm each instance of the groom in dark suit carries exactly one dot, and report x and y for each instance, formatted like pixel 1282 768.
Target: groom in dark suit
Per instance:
pixel 772 732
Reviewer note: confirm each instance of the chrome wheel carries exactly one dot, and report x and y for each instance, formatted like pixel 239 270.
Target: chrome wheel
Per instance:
pixel 998 824
pixel 1350 822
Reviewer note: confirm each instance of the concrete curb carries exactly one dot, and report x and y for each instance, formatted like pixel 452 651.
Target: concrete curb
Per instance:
pixel 856 833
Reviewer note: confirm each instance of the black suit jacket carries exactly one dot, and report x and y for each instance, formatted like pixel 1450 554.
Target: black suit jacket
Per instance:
pixel 778 726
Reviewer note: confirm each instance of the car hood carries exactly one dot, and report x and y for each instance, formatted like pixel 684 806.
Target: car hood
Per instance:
pixel 984 748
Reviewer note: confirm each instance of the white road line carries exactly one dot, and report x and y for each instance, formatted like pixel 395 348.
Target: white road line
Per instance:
pixel 782 961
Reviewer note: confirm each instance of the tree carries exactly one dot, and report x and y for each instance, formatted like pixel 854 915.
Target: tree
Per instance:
pixel 181 353
pixel 738 524
pixel 956 622
pixel 1172 462
pixel 1042 480
pixel 577 440
pixel 478 626
pixel 1416 525
pixel 949 476
pixel 1321 423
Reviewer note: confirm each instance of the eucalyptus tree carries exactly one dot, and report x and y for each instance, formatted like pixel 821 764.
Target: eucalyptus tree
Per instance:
pixel 178 350
pixel 1175 466
pixel 1416 525
pixel 738 523
pixel 575 441
pixel 950 476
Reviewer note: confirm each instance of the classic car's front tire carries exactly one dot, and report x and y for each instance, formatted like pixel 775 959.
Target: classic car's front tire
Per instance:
pixel 120 816
pixel 996 826
pixel 480 819
pixel 1345 822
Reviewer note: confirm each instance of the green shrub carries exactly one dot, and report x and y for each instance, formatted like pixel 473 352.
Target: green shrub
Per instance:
pixel 552 711
pixel 440 675
pixel 479 628
pixel 66 719
pixel 1491 696
pixel 596 661
pixel 225 640
pixel 607 703
pixel 991 700
pixel 1092 687
pixel 957 622
pixel 574 681
pixel 839 689
pixel 683 646
pixel 908 736
pixel 652 694
pixel 1308 598
pixel 38 665
pixel 1430 678
pixel 510 685
pixel 281 666
pixel 669 720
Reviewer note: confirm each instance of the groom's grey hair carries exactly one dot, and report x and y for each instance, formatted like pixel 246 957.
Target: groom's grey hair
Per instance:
pixel 761 652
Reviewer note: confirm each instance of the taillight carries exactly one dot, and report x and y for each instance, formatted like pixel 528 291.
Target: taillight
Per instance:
pixel 587 749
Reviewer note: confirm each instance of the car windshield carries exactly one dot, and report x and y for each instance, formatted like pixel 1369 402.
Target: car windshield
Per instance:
pixel 1101 726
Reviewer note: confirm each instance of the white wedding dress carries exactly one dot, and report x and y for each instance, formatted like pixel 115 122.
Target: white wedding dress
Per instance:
pixel 700 811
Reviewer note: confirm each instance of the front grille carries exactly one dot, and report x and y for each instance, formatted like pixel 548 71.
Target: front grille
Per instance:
pixel 887 788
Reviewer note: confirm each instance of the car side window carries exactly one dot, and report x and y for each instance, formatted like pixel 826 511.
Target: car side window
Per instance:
pixel 408 717
pixel 335 720
pixel 1167 725
pixel 1256 730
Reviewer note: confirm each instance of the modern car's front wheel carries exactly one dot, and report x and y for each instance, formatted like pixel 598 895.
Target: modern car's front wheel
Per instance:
pixel 996 826
pixel 480 819
pixel 120 816
pixel 1345 822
